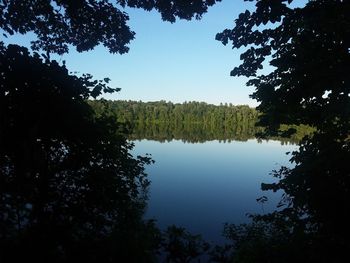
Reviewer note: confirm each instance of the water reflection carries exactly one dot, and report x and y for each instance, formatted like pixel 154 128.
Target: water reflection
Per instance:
pixel 202 186
pixel 203 132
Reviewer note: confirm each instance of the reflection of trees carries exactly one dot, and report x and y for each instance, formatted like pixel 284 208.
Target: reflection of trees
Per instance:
pixel 190 132
pixel 69 189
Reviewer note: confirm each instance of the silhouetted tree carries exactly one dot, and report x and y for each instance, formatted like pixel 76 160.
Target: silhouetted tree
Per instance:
pixel 70 189
pixel 87 23
pixel 308 49
pixel 178 245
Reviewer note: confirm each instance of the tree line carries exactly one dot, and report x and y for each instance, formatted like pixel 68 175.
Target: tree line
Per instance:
pixel 190 121
pixel 190 112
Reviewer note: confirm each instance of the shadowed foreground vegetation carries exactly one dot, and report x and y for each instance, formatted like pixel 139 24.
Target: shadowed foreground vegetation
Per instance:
pixel 308 49
pixel 70 190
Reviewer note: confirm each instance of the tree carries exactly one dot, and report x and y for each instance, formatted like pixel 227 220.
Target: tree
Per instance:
pixel 87 23
pixel 70 189
pixel 308 49
pixel 181 246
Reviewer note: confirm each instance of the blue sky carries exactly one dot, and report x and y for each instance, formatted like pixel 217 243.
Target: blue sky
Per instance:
pixel 174 62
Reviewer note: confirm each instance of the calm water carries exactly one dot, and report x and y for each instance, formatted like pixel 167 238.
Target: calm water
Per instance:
pixel 201 186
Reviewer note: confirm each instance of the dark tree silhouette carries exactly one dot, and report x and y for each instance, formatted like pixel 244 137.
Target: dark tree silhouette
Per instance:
pixel 87 23
pixel 180 246
pixel 70 189
pixel 308 49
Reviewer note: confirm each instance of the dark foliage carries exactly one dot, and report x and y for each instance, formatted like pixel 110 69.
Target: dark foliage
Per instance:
pixel 87 23
pixel 70 190
pixel 309 50
pixel 180 246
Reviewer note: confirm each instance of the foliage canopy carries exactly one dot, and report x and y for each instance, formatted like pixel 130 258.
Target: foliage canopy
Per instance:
pixel 85 24
pixel 308 50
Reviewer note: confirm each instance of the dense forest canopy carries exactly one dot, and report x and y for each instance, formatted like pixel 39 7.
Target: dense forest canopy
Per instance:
pixel 162 111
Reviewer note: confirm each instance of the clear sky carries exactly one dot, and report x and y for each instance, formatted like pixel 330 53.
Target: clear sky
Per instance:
pixel 174 62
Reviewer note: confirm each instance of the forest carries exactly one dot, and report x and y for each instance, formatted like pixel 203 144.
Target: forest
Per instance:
pixel 191 121
pixel 190 112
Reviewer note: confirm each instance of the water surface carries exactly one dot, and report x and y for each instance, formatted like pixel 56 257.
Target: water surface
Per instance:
pixel 200 186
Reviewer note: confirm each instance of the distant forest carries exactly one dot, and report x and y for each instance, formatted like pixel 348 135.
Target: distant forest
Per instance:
pixel 189 121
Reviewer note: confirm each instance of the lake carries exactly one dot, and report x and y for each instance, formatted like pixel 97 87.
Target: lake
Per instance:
pixel 200 186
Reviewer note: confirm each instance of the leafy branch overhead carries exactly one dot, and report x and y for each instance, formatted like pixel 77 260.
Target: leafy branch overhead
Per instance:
pixel 85 24
pixel 308 52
